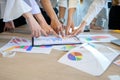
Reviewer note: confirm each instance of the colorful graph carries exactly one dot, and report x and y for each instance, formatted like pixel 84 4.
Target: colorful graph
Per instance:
pixel 96 38
pixel 29 48
pixel 68 47
pixel 75 56
pixel 19 41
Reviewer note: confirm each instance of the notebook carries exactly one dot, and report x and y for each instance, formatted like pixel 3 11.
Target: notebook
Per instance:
pixel 116 41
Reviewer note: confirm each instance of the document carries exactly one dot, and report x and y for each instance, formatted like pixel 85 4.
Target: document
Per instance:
pixel 91 58
pixel 19 44
pixel 52 40
pixel 96 37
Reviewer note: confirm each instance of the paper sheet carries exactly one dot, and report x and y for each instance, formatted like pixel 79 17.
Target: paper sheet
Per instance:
pixel 114 77
pixel 52 40
pixel 24 45
pixel 96 38
pixel 94 60
pixel 65 47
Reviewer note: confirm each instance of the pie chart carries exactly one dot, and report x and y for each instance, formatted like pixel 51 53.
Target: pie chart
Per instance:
pixel 75 56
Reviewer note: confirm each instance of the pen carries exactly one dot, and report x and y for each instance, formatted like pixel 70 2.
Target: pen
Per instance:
pixel 77 38
pixel 32 41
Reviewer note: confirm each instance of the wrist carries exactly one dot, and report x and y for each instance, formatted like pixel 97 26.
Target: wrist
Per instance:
pixel 62 20
pixel 92 23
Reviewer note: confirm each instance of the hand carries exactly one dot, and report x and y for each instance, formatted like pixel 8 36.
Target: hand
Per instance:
pixel 9 26
pixel 57 27
pixel 70 25
pixel 48 29
pixel 35 28
pixel 79 30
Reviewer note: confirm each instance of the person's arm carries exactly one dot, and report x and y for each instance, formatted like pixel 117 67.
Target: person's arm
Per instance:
pixel 93 10
pixel 19 8
pixel 72 8
pixel 62 14
pixel 55 24
pixel 70 22
pixel 35 28
pixel 39 17
pixel 62 9
pixel 44 24
pixel 49 9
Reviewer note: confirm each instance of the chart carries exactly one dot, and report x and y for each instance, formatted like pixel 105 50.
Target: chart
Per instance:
pixel 75 56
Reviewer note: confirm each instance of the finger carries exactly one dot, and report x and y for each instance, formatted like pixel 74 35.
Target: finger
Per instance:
pixel 56 29
pixel 43 32
pixel 73 33
pixel 62 32
pixel 11 30
pixel 32 33
pixel 38 33
pixel 4 29
pixel 72 27
pixel 35 33
pixel 76 32
pixel 67 30
pixel 7 29
pixel 54 33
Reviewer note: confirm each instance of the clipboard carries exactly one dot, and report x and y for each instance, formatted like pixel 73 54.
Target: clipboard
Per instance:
pixel 49 41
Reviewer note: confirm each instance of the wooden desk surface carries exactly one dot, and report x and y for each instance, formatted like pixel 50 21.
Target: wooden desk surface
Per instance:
pixel 45 67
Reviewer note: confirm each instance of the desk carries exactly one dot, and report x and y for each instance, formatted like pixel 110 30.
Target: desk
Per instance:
pixel 45 67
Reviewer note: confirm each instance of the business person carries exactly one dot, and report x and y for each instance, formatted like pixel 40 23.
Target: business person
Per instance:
pixel 17 8
pixel 93 10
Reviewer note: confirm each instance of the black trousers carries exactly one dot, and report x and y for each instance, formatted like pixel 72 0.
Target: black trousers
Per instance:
pixel 47 18
pixel 17 22
pixel 114 18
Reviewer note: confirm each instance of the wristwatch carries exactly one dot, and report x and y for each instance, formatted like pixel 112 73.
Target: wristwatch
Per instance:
pixel 62 20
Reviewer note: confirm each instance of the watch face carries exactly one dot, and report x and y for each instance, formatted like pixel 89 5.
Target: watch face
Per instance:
pixel 62 20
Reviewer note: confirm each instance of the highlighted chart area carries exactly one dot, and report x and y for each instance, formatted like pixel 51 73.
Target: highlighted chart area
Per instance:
pixel 75 56
pixel 96 38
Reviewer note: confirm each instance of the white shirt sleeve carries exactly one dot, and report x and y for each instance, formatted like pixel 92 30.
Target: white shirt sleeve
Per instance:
pixel 14 9
pixel 62 3
pixel 2 7
pixel 33 4
pixel 93 10
pixel 73 3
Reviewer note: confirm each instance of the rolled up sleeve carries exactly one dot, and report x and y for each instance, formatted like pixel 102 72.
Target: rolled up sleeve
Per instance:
pixel 62 3
pixel 93 10
pixel 33 4
pixel 73 3
pixel 14 9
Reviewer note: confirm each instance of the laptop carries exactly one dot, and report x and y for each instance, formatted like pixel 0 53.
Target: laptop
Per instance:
pixel 116 41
